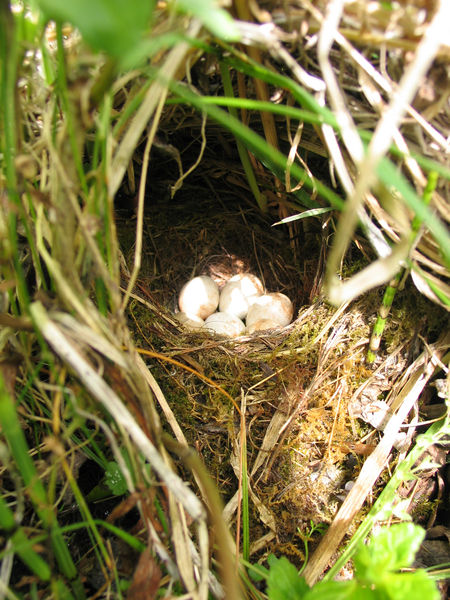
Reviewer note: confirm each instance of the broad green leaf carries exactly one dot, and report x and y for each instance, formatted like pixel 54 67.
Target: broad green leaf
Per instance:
pixel 390 549
pixel 115 480
pixel 284 582
pixel 408 586
pixel 215 19
pixel 257 572
pixel 340 590
pixel 113 26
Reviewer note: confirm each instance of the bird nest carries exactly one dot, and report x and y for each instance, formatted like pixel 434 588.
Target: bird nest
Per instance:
pixel 292 394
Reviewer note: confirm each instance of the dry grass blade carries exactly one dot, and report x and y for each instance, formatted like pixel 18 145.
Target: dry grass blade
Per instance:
pixel 155 94
pixel 340 292
pixel 112 403
pixel 405 398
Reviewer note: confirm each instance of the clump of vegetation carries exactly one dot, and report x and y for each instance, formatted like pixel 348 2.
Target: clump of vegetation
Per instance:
pixel 143 143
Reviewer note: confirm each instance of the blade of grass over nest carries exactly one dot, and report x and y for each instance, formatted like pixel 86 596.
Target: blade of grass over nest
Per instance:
pixel 241 62
pixel 391 289
pixel 280 109
pixel 243 153
pixel 272 158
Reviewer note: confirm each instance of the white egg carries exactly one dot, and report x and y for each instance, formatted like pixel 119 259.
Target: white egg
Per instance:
pixel 275 306
pixel 224 324
pixel 233 300
pixel 263 325
pixel 189 321
pixel 199 297
pixel 239 293
pixel 250 285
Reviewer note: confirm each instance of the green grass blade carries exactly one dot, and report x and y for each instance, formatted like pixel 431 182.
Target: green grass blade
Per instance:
pixel 19 449
pixel 390 176
pixel 20 544
pixel 60 590
pixel 313 212
pixel 23 547
pixel 272 158
pixel 243 154
pixel 15 438
pixel 383 313
pixel 305 116
pixel 304 98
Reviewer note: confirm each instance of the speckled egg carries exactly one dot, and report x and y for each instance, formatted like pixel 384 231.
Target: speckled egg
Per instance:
pixel 223 323
pixel 239 293
pixel 263 325
pixel 199 297
pixel 233 301
pixel 249 284
pixel 274 306
pixel 189 321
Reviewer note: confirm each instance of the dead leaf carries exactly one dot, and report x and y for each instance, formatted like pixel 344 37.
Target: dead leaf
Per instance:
pixel 146 578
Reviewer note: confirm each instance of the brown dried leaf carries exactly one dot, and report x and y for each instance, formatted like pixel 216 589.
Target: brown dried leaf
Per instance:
pixel 146 578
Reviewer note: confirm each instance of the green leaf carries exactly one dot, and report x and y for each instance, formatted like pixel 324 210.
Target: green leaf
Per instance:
pixel 284 582
pixel 408 586
pixel 257 572
pixel 390 549
pixel 115 480
pixel 215 19
pixel 340 590
pixel 113 26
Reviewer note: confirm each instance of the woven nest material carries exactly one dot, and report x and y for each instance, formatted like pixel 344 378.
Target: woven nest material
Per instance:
pixel 299 387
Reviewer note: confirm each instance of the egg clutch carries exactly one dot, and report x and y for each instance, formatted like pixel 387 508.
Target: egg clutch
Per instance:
pixel 203 305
